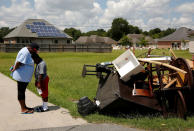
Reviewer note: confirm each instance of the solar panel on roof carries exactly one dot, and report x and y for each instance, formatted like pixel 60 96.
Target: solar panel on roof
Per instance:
pixel 51 34
pixel 47 34
pixel 39 34
pixel 35 26
pixel 37 30
pixel 33 31
pixel 43 23
pixel 49 27
pixel 28 26
pixel 44 34
pixel 63 35
pixel 60 35
pixel 41 27
pixel 31 26
pixel 52 27
pixel 43 30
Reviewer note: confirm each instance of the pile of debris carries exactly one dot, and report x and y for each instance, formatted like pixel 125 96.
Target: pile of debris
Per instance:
pixel 161 83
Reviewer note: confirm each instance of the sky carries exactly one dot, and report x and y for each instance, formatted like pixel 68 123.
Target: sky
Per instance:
pixel 89 15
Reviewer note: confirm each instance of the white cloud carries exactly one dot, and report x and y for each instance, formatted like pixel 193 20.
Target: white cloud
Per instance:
pixel 88 14
pixel 158 22
pixel 16 13
pixel 69 12
pixel 140 23
pixel 183 22
pixel 57 7
pixel 135 11
pixel 3 24
pixel 186 8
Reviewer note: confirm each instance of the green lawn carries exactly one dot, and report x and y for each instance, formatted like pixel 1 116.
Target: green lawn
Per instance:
pixel 66 86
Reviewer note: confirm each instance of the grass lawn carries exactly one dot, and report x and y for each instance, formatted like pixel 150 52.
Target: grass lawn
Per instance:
pixel 67 85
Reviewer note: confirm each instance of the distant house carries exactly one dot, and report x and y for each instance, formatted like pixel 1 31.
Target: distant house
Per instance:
pixel 94 39
pixel 191 42
pixel 136 38
pixel 109 40
pixel 39 31
pixel 177 40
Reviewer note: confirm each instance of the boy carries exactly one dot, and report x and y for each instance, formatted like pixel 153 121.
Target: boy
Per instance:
pixel 41 81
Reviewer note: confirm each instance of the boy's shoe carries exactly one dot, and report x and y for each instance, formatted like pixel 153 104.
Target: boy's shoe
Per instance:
pixel 46 110
pixel 41 109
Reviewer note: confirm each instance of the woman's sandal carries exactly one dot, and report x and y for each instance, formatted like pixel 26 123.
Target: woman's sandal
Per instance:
pixel 28 112
pixel 30 108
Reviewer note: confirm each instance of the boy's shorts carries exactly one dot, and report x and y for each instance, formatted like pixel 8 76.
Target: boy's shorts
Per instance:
pixel 44 87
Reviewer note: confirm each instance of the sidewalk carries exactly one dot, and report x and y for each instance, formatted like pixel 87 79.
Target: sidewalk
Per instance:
pixel 11 119
pixel 57 119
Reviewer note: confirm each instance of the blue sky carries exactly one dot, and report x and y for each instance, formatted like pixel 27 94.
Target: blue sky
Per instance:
pixel 94 14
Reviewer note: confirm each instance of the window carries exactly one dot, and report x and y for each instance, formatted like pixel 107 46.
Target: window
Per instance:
pixel 56 41
pixel 68 41
pixel 18 40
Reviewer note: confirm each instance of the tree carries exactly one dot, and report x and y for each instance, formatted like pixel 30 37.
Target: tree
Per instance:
pixel 74 33
pixel 169 31
pixel 99 32
pixel 136 30
pixel 119 28
pixel 143 42
pixel 126 41
pixel 154 31
pixel 158 33
pixel 3 32
pixel 146 33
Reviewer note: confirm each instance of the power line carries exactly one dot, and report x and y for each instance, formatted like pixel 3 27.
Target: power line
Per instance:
pixel 65 25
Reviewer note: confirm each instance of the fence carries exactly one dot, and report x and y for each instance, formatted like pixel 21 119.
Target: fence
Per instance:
pixel 101 48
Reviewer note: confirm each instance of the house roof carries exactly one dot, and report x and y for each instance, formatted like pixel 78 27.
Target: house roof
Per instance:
pixel 95 39
pixel 179 35
pixel 37 28
pixel 191 33
pixel 82 40
pixel 135 38
pixel 108 40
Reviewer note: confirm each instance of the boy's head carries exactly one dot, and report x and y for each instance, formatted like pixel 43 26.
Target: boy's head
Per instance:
pixel 37 59
pixel 33 48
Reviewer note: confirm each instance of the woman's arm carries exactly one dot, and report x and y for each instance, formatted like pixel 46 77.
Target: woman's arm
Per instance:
pixel 17 65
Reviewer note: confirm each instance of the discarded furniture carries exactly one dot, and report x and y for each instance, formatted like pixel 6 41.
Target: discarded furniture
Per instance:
pixel 164 84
